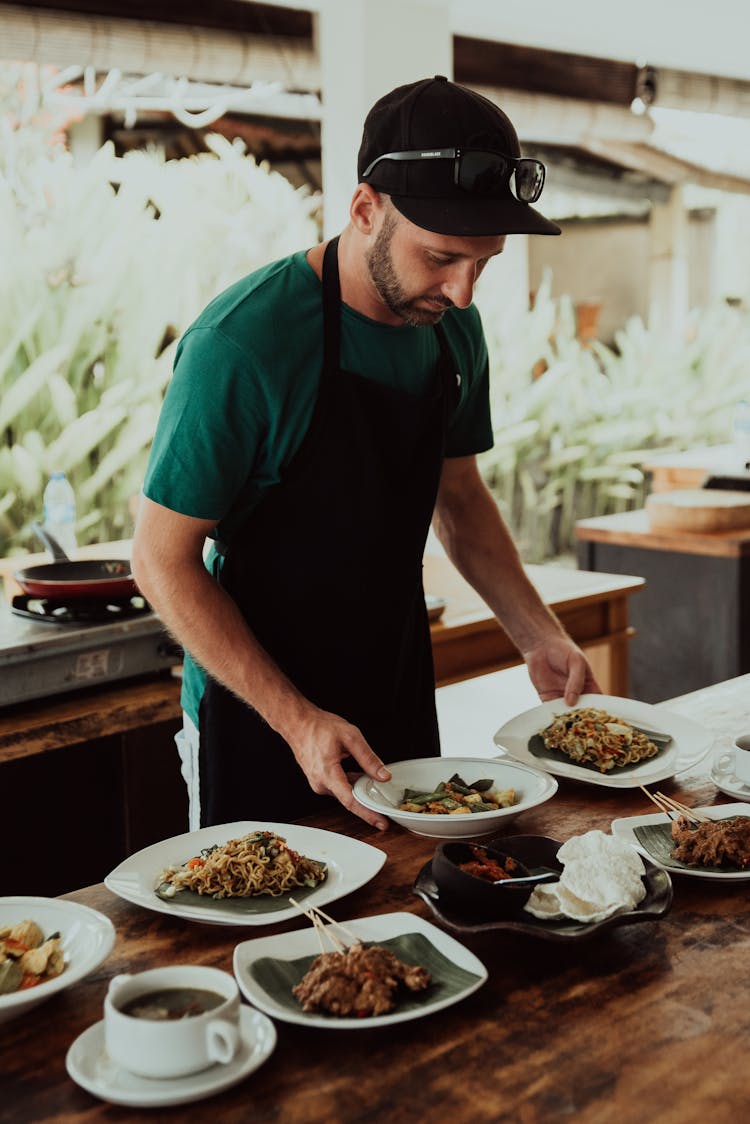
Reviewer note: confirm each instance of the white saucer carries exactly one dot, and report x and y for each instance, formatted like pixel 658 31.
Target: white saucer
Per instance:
pixel 91 1067
pixel 727 782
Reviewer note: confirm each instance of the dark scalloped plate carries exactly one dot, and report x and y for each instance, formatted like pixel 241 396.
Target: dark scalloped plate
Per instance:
pixel 656 904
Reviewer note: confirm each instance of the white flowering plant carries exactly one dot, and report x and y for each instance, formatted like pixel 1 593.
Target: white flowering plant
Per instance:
pixel 103 265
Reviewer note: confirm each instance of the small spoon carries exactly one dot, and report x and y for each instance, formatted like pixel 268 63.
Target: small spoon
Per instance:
pixel 543 876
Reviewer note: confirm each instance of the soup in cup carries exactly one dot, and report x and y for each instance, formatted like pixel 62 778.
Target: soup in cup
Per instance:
pixel 170 1022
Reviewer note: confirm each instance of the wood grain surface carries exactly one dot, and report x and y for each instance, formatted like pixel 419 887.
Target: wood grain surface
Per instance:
pixel 632 528
pixel 642 1023
pixel 698 510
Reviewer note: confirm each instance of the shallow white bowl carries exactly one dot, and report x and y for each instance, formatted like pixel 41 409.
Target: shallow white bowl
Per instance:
pixel 533 787
pixel 87 940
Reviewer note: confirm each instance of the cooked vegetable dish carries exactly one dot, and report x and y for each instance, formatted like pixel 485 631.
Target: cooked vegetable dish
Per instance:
pixel 26 958
pixel 589 736
pixel 457 798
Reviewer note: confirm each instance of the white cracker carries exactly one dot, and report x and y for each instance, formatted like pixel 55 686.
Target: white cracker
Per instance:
pixel 600 876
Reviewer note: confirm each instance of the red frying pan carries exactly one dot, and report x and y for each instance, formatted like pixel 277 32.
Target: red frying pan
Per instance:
pixel 98 579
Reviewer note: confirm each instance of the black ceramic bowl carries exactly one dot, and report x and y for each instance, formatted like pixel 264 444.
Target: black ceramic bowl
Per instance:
pixel 474 894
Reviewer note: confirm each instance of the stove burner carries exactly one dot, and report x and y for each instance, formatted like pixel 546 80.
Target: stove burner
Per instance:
pixel 57 611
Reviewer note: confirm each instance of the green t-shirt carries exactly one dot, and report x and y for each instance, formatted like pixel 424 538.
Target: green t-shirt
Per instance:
pixel 245 382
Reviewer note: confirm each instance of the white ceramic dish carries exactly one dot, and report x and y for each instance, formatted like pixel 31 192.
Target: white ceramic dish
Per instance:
pixel 690 742
pixel 533 786
pixel 628 829
pixel 304 943
pixel 350 864
pixel 87 940
pixel 728 782
pixel 91 1067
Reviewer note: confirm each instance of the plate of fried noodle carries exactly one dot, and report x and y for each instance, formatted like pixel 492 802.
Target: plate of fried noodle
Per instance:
pixel 244 873
pixel 604 740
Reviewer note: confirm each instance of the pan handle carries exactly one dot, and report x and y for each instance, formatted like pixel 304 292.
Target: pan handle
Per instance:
pixel 53 546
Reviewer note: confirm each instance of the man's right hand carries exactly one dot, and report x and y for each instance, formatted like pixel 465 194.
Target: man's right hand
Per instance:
pixel 321 743
pixel 168 566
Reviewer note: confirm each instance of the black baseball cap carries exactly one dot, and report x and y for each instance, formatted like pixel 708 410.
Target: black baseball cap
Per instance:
pixel 435 115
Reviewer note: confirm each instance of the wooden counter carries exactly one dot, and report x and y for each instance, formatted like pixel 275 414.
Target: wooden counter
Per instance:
pixel 633 528
pixel 692 623
pixel 690 468
pixel 641 1023
pixel 468 641
pixel 111 748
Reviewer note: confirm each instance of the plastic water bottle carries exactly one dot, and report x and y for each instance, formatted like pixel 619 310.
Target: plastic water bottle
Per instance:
pixel 60 512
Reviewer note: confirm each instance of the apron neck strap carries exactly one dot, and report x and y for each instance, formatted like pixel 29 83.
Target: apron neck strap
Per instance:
pixel 448 378
pixel 331 307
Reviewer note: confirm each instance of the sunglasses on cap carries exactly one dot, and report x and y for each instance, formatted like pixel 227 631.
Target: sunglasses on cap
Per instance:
pixel 481 172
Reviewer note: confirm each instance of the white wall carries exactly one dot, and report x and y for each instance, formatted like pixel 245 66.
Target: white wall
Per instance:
pixel 608 260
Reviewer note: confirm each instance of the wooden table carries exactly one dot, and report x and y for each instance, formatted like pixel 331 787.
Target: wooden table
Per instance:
pixel 112 747
pixel 644 1023
pixel 690 468
pixel 692 623
pixel 468 640
pixel 593 607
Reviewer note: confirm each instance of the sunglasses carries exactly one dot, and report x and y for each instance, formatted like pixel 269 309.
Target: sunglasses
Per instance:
pixel 481 172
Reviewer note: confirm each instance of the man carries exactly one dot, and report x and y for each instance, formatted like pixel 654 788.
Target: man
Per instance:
pixel 322 411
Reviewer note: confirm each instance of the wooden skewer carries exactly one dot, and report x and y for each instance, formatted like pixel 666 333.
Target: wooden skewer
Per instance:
pixel 320 928
pixel 699 817
pixel 655 800
pixel 671 807
pixel 315 922
pixel 337 925
pixel 662 804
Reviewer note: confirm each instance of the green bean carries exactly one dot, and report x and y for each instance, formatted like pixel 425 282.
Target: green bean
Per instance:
pixel 425 797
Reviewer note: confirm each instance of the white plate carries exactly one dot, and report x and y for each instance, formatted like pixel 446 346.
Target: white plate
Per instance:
pixel 350 864
pixel 626 829
pixel 87 940
pixel 304 942
pixel 92 1068
pixel 727 782
pixel 690 742
pixel 533 786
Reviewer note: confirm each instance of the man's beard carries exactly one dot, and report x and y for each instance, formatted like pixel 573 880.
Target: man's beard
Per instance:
pixel 389 288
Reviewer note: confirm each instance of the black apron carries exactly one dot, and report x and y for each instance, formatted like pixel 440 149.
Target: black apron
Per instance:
pixel 327 571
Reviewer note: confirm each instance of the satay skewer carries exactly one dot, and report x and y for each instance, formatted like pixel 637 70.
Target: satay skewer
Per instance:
pixel 320 928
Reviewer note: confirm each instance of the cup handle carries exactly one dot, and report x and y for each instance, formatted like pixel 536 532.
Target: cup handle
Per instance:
pixel 222 1039
pixel 725 763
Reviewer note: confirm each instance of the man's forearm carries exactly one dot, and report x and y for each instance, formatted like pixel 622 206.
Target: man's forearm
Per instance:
pixel 481 548
pixel 208 624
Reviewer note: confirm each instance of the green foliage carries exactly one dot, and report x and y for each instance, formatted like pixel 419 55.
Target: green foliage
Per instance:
pixel 102 267
pixel 569 444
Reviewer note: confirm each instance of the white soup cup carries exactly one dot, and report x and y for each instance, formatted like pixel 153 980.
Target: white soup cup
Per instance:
pixel 164 1048
pixel 736 761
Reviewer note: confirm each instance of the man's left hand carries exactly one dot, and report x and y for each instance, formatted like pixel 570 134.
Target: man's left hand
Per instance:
pixel 558 668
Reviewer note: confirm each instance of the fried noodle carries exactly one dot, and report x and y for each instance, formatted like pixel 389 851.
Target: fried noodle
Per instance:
pixel 258 863
pixel 591 736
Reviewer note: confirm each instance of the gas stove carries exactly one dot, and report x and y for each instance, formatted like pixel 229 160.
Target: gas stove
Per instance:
pixel 47 648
